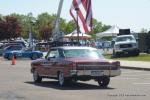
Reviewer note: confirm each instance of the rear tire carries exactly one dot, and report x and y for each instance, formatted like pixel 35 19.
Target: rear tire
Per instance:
pixel 36 77
pixel 34 57
pixel 61 79
pixel 9 57
pixel 137 53
pixel 104 81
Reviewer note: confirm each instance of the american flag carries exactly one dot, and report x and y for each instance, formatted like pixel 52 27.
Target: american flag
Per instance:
pixel 82 9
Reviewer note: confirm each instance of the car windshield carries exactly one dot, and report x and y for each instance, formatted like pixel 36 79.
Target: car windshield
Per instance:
pixel 82 53
pixel 127 38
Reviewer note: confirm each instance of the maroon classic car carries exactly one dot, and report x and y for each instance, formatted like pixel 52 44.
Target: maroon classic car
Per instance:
pixel 69 64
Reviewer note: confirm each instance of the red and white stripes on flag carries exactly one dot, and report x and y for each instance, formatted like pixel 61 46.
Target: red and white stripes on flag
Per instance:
pixel 84 14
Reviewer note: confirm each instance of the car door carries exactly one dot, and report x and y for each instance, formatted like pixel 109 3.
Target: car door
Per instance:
pixel 18 50
pixel 26 53
pixel 49 65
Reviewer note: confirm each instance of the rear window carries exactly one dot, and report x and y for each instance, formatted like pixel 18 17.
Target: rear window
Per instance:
pixel 82 53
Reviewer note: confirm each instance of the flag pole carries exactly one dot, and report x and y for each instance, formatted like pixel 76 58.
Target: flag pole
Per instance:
pixel 77 9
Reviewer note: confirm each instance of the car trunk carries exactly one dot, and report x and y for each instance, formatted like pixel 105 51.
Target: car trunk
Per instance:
pixel 93 64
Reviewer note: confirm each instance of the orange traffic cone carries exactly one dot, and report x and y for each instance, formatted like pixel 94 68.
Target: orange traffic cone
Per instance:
pixel 13 60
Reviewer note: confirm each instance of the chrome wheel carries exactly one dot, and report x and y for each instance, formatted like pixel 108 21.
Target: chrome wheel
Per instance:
pixel 61 79
pixel 36 77
pixel 9 57
pixel 34 57
pixel 104 81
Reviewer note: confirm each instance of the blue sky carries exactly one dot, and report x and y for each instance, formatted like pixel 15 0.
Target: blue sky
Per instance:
pixel 134 14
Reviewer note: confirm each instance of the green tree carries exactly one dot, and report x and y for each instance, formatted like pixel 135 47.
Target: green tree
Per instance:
pixel 44 20
pixel 46 32
pixel 10 28
pixel 3 29
pixel 98 27
pixel 62 25
pixel 143 30
pixel 148 40
pixel 30 23
pixel 70 27
pixel 27 24
pixel 1 17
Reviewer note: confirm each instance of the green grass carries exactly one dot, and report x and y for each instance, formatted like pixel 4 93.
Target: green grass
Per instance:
pixel 141 57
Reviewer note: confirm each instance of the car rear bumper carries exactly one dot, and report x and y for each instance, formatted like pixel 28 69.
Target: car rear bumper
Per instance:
pixel 97 73
pixel 127 50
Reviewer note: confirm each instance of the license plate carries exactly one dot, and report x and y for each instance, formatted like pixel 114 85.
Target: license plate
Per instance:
pixel 97 73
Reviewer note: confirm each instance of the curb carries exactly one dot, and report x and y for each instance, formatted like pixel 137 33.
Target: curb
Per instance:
pixel 135 68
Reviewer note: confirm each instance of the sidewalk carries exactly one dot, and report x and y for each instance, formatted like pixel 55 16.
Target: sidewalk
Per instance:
pixel 138 65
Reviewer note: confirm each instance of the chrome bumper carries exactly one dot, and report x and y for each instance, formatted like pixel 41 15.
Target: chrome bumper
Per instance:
pixel 126 49
pixel 110 73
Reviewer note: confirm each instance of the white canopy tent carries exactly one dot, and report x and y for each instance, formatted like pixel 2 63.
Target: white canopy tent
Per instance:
pixel 113 31
pixel 74 34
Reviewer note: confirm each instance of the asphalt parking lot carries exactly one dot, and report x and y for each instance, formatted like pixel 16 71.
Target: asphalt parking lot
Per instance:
pixel 16 84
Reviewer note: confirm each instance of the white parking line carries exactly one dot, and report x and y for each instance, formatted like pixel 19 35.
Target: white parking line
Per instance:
pixel 141 83
pixel 124 78
pixel 136 75
pixel 128 72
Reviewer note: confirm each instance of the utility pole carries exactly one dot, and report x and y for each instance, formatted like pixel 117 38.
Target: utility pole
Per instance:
pixel 30 30
pixel 57 35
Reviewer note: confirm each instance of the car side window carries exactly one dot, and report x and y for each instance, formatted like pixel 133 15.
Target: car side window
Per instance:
pixel 53 54
pixel 8 48
pixel 17 48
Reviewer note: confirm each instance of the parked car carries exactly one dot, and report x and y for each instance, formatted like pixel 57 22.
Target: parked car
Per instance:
pixel 69 64
pixel 2 47
pixel 125 44
pixel 21 52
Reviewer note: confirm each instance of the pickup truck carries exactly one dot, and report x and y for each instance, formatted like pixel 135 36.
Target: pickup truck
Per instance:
pixel 72 63
pixel 125 45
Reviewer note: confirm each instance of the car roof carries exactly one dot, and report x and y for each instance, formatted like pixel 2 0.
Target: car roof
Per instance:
pixel 8 44
pixel 15 46
pixel 15 43
pixel 74 47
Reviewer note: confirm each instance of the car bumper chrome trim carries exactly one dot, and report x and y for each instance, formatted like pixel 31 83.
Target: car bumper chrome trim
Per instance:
pixel 110 73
